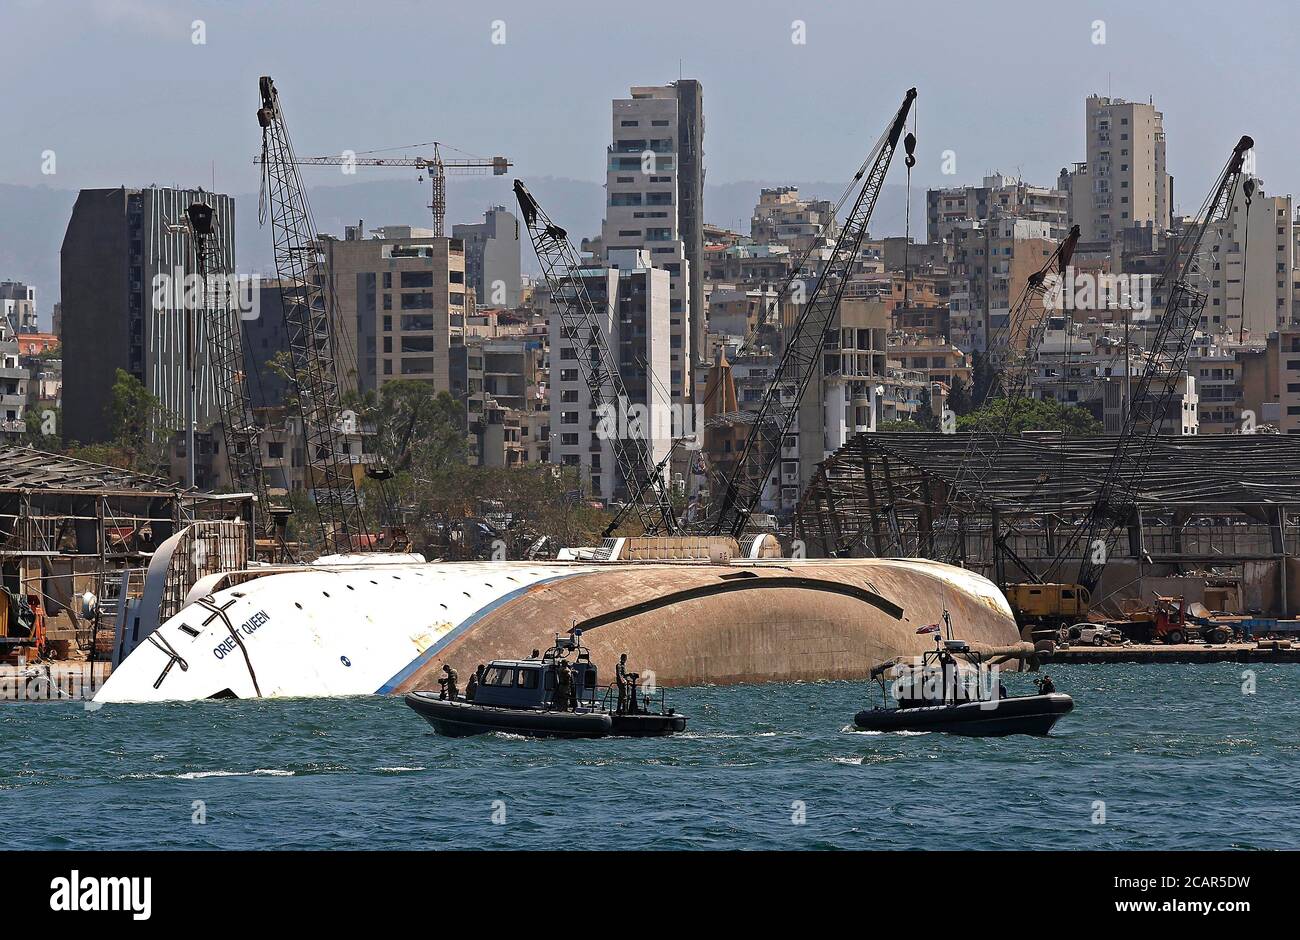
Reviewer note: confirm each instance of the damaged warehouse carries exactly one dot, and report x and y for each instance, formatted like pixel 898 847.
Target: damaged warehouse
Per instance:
pixel 1213 519
pixel 69 527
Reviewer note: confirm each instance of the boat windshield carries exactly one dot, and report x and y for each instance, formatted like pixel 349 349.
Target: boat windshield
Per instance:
pixel 500 675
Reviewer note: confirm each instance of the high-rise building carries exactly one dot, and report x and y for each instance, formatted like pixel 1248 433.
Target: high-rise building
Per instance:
pixel 492 258
pixel 18 306
pixel 1250 267
pixel 1124 181
pixel 631 300
pixel 125 259
pixel 401 305
pixel 654 200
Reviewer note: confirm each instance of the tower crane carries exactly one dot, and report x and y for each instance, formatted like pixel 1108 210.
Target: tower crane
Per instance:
pixel 646 488
pixel 434 165
pixel 1172 335
pixel 309 327
pixel 807 337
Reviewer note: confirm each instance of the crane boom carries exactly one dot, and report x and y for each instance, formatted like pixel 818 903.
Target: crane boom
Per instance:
pixel 778 411
pixel 1013 348
pixel 1173 335
pixel 309 328
pixel 580 326
pixel 1010 353
pixel 436 167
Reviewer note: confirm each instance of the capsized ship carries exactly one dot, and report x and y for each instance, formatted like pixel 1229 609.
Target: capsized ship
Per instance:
pixel 362 626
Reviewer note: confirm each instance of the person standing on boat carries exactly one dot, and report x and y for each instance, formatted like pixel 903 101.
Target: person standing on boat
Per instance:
pixel 620 676
pixel 475 681
pixel 450 689
pixel 1046 686
pixel 563 684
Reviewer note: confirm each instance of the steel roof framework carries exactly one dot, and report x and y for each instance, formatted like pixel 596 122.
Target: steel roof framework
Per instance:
pixel 905 493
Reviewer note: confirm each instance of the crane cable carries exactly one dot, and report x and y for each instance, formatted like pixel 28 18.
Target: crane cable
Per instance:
pixel 909 145
pixel 1248 190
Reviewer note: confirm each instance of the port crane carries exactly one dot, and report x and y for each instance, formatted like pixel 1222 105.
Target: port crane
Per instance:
pixel 580 325
pixel 226 363
pixel 308 319
pixel 434 165
pixel 806 339
pixel 1172 335
pixel 1009 356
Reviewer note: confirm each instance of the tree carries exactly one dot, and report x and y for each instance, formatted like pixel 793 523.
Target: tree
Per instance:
pixel 139 429
pixel 899 424
pixel 983 377
pixel 925 415
pixel 1003 416
pixel 959 398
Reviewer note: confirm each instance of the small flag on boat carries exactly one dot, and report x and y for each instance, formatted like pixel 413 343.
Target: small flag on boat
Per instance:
pixel 929 628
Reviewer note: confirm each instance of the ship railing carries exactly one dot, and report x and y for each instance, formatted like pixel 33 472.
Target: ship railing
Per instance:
pixel 644 705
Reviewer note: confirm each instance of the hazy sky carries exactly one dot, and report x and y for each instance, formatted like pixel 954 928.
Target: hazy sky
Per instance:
pixel 121 94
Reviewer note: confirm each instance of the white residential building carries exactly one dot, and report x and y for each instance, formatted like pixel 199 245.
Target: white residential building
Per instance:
pixel 632 302
pixel 654 185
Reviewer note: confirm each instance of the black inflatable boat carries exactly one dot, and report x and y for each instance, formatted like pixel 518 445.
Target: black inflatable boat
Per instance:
pixel 1024 714
pixel 955 689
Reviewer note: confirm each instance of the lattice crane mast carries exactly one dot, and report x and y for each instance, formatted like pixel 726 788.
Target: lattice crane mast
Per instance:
pixel 780 406
pixel 308 321
pixel 225 350
pixel 1172 338
pixel 580 325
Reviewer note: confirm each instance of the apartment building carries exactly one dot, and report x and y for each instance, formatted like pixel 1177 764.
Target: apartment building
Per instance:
pixel 121 251
pixel 492 259
pixel 1250 266
pixel 1124 179
pixel 998 195
pixel 18 306
pixel 992 262
pixel 654 195
pixel 401 297
pixel 782 218
pixel 632 300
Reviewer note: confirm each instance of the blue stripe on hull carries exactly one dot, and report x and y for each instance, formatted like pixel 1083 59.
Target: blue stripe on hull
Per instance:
pixel 420 661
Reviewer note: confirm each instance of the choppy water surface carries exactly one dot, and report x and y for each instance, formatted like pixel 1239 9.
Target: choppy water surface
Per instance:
pixel 1181 758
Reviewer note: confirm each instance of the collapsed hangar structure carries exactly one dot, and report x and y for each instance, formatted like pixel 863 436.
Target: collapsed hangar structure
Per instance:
pixel 1214 519
pixel 68 526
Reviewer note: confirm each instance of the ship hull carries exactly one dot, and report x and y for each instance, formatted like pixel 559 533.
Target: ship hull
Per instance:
pixel 361 629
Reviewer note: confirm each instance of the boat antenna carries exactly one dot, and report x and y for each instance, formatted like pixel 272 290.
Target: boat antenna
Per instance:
pixel 947 620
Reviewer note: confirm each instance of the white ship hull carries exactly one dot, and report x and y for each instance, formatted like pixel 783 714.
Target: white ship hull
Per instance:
pixel 323 631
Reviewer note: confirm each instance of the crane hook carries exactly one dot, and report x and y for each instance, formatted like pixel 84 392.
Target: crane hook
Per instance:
pixel 909 144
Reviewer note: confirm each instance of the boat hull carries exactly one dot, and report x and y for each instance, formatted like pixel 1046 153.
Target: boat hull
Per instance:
pixel 1026 714
pixel 647 726
pixel 465 719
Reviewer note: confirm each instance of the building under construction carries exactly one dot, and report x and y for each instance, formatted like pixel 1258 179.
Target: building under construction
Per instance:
pixel 1215 519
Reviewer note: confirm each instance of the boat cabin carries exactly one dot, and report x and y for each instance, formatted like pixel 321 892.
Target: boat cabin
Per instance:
pixel 530 683
pixel 944 676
